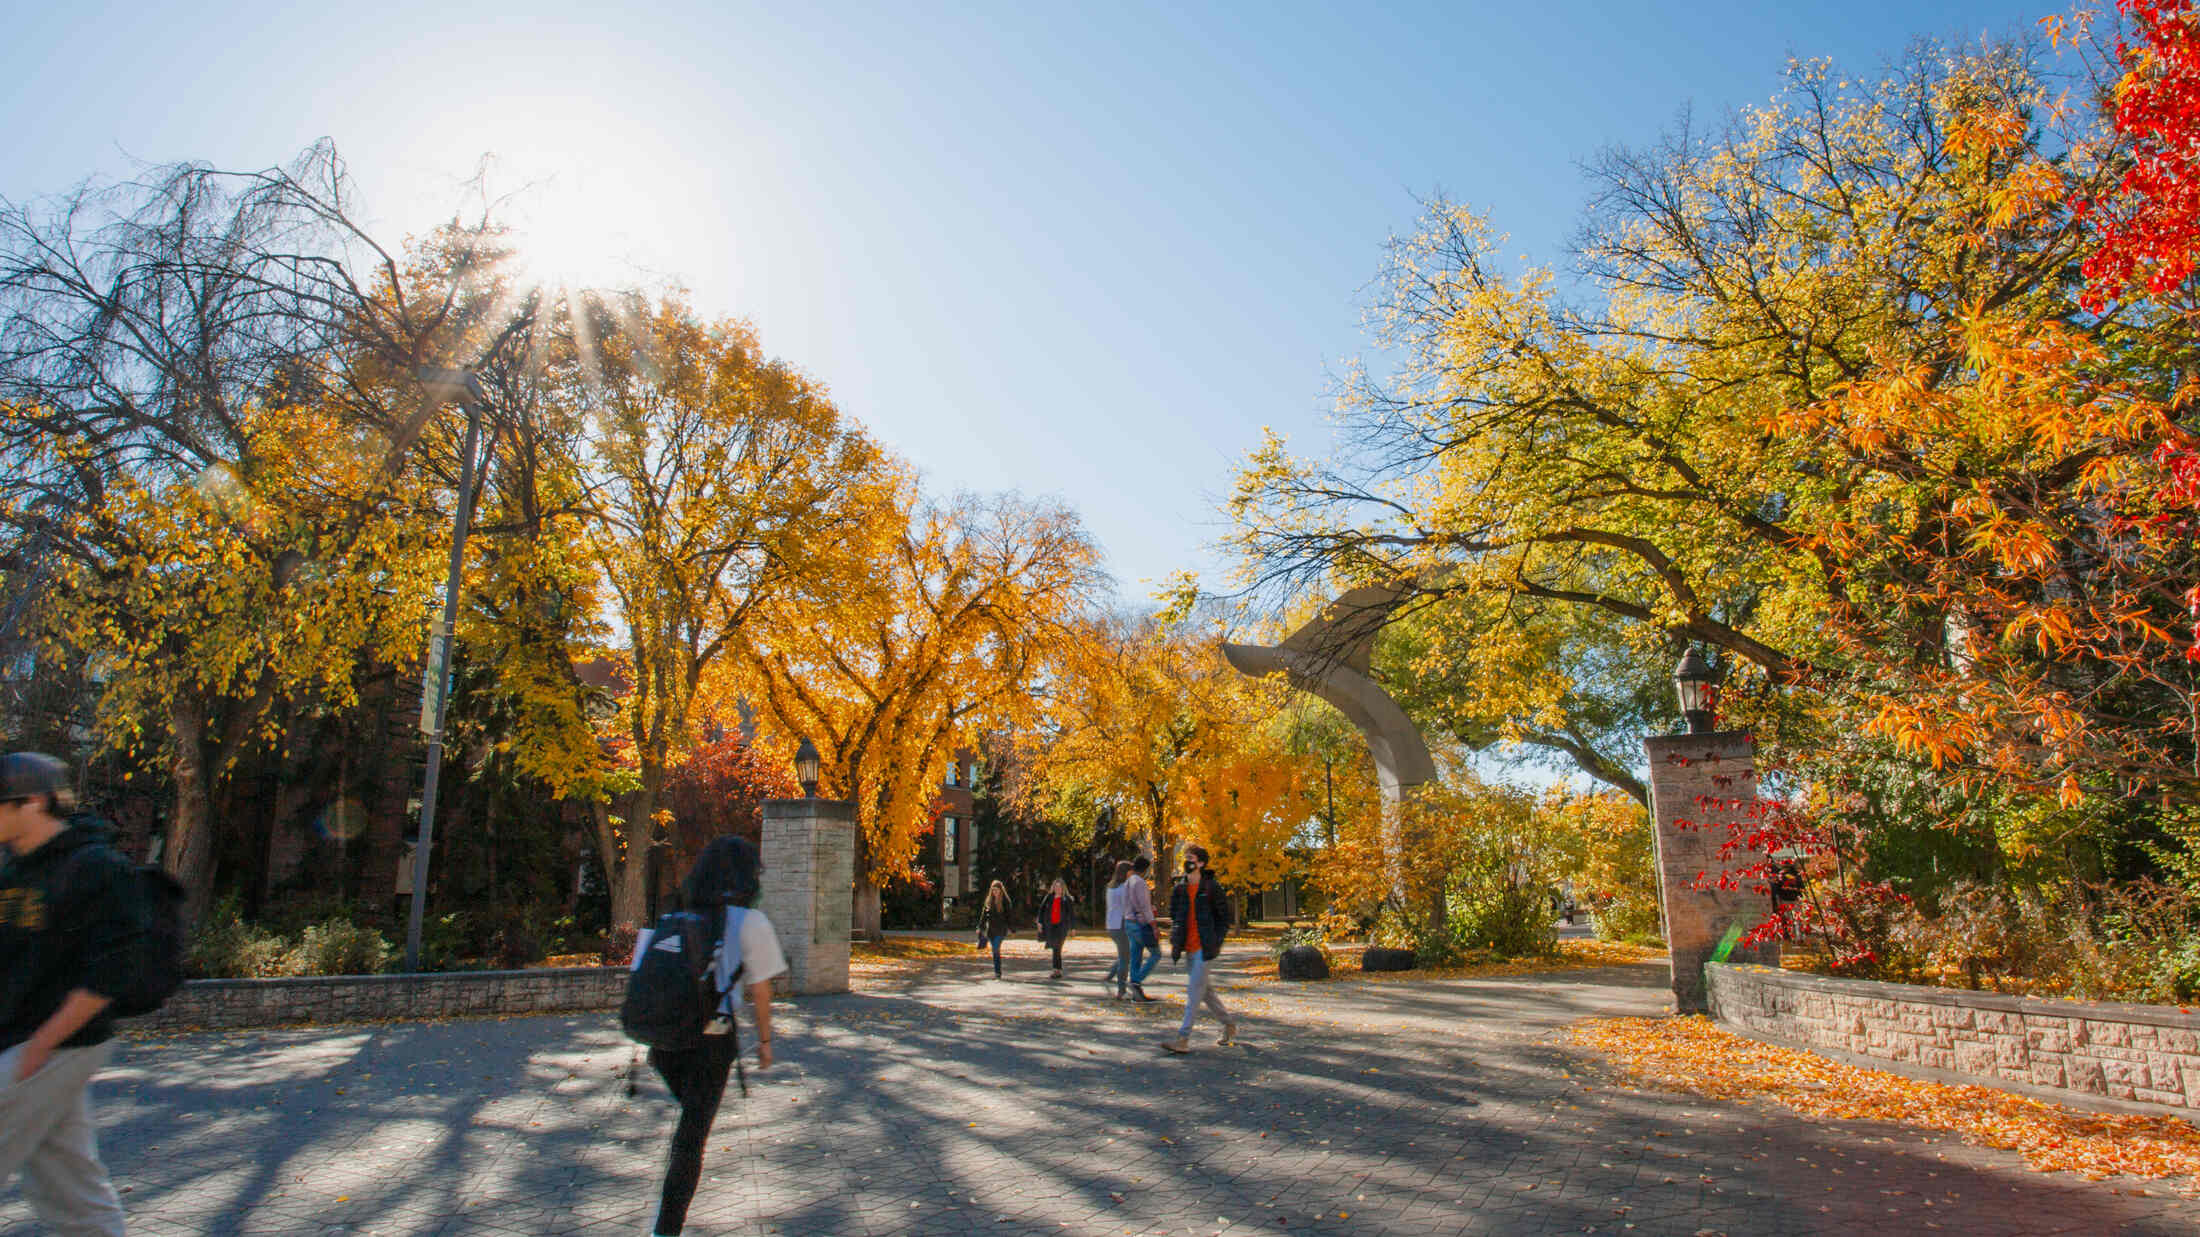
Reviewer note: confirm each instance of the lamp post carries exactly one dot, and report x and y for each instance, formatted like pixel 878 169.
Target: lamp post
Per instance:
pixel 1692 680
pixel 444 385
pixel 805 768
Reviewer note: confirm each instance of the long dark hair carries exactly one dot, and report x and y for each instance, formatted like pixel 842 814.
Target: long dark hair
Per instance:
pixel 727 873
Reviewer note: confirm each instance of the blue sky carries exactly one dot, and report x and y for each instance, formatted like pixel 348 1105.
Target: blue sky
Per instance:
pixel 1079 250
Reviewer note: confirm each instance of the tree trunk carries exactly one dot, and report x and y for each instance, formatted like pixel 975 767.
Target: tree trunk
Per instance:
pixel 388 794
pixel 866 914
pixel 188 853
pixel 629 876
pixel 630 897
pixel 867 911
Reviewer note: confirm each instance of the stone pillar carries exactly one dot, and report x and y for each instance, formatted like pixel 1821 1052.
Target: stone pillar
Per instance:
pixel 809 854
pixel 1699 785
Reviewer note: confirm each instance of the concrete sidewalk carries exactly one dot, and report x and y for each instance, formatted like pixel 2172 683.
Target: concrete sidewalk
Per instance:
pixel 943 1101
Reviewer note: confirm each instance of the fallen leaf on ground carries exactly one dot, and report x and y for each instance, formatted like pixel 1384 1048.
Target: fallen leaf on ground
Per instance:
pixel 1693 1055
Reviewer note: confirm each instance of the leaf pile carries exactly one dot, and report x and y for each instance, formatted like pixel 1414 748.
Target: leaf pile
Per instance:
pixel 902 954
pixel 1695 1056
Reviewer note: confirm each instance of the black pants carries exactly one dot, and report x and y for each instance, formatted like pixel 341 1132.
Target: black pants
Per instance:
pixel 698 1080
pixel 1054 946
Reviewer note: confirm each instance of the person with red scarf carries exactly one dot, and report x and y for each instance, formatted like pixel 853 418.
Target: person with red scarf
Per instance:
pixel 1057 912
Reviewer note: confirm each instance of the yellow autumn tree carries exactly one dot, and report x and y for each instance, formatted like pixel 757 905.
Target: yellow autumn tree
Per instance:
pixel 1608 853
pixel 1147 719
pixel 941 623
pixel 719 483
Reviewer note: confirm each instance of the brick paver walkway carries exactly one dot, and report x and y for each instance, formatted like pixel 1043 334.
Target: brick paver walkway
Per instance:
pixel 945 1102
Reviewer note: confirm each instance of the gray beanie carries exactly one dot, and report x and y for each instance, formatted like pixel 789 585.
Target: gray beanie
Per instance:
pixel 28 775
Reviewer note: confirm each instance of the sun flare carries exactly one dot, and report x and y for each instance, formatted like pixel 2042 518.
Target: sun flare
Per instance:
pixel 577 232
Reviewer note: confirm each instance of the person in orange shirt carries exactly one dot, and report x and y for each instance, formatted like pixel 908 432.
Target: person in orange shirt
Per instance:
pixel 1199 914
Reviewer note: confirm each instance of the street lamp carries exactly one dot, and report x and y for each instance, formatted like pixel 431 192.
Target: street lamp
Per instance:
pixel 443 386
pixel 805 768
pixel 1692 679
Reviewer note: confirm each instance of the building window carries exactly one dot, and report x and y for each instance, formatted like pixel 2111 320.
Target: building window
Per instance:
pixel 950 840
pixel 954 773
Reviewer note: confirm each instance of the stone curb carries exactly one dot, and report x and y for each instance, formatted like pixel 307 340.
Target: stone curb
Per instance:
pixel 2098 1054
pixel 220 1004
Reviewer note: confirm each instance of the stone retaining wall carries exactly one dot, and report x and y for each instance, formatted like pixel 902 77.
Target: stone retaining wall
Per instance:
pixel 2087 1051
pixel 370 998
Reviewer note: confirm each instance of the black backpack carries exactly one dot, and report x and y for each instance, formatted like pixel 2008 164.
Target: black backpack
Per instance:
pixel 160 957
pixel 159 970
pixel 670 996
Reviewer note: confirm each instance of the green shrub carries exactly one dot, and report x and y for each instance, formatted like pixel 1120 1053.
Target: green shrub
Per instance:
pixel 223 946
pixel 1632 920
pixel 1509 920
pixel 456 941
pixel 2131 941
pixel 340 947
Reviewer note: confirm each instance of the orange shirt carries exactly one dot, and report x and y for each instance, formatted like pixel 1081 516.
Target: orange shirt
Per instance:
pixel 1191 915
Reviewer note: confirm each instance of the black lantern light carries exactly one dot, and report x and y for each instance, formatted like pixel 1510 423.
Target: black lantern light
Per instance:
pixel 1692 679
pixel 805 768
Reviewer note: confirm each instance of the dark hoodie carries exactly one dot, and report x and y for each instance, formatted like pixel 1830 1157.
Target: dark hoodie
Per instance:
pixel 71 916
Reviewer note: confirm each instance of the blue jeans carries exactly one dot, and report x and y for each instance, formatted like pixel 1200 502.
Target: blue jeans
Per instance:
pixel 1121 971
pixel 996 943
pixel 1152 952
pixel 1199 988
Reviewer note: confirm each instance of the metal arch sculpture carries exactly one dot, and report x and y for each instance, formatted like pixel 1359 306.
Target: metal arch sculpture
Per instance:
pixel 1328 657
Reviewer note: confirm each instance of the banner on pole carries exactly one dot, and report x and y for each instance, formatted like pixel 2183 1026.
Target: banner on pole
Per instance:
pixel 432 681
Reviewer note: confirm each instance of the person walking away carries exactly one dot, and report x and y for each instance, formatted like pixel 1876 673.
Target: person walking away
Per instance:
pixel 72 924
pixel 1199 912
pixel 722 887
pixel 1056 916
pixel 1120 973
pixel 1138 925
pixel 993 922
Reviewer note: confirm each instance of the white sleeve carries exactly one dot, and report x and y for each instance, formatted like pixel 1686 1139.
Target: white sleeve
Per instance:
pixel 760 949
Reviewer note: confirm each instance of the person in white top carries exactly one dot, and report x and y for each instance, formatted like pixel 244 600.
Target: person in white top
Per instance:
pixel 721 886
pixel 1120 973
pixel 1138 926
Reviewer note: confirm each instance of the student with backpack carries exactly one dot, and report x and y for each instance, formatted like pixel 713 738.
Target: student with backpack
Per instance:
pixel 689 974
pixel 73 922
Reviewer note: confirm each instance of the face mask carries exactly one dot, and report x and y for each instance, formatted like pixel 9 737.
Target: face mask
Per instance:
pixel 1190 866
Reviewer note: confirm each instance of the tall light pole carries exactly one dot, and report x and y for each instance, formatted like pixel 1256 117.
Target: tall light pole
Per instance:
pixel 443 385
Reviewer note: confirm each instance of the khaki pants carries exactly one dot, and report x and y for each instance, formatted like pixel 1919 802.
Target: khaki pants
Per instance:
pixel 46 1131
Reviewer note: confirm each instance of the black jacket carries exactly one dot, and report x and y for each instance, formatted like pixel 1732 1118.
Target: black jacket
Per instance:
pixel 71 916
pixel 992 922
pixel 1214 916
pixel 1052 932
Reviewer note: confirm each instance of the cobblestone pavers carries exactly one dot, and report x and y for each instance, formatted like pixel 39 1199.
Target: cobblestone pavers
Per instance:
pixel 947 1102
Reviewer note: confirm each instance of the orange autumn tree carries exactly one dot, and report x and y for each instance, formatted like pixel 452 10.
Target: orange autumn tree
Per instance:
pixel 1246 797
pixel 1147 720
pixel 2020 563
pixel 940 625
pixel 721 483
